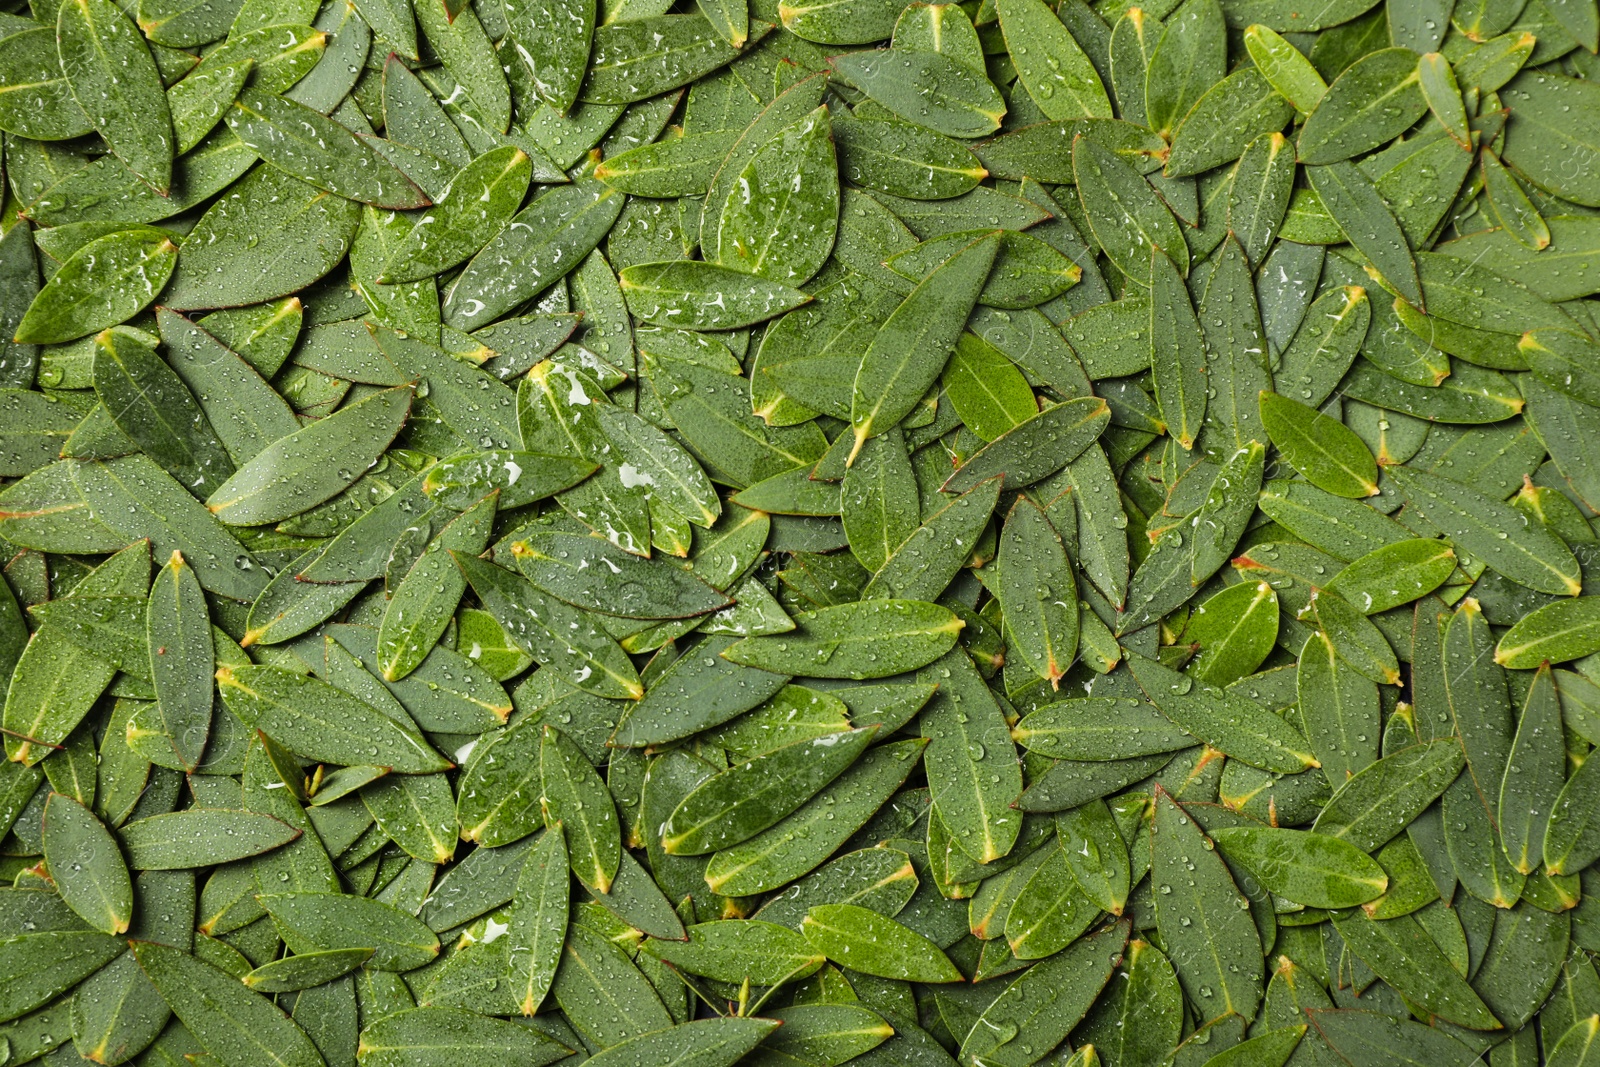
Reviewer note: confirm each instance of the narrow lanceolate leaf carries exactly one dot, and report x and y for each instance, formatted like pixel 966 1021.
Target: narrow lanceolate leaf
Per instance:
pixel 973 774
pixel 553 37
pixel 479 200
pixel 201 837
pixel 594 576
pixel 1203 919
pixel 780 219
pixel 927 88
pixel 556 635
pixel 182 658
pixel 924 564
pixel 88 870
pixel 106 282
pixel 1038 592
pixel 151 404
pixel 451 1037
pixel 238 1027
pixel 1306 867
pixel 1566 630
pixel 1374 100
pixel 1374 805
pixel 1394 574
pixel 423 602
pixel 869 639
pixel 520 477
pixel 312 922
pixel 741 802
pixel 1230 723
pixel 714 1042
pixel 38 967
pixel 1530 794
pixel 1496 533
pixel 316 149
pixel 1401 953
pixel 314 463
pixel 1035 448
pixel 575 802
pixel 865 941
pixel 115 81
pixel 1341 709
pixel 690 295
pixel 760 952
pixel 1099 728
pixel 1355 204
pixel 1177 352
pixel 1037 1011
pixel 316 720
pixel 1323 449
pixel 911 348
pixel 1051 64
pixel 539 922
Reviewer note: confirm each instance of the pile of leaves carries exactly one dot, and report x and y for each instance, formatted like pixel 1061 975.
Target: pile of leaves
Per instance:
pixel 705 532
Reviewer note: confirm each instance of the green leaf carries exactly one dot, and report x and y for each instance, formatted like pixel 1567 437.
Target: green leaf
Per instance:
pixel 802 841
pixel 314 463
pixel 870 639
pixel 713 1042
pixel 1127 217
pixel 35 99
pixel 239 1028
pixel 245 412
pixel 1099 728
pixel 1394 574
pixel 305 970
pixel 539 922
pixel 201 837
pixel 1037 1011
pixel 1188 59
pixel 88 870
pixel 748 798
pixel 1308 868
pixel 542 243
pixel 1493 532
pixel 553 633
pixel 1530 796
pixel 779 221
pixel 575 803
pixel 1203 919
pixel 318 721
pixel 1375 99
pixel 423 603
pixel 1385 1041
pixel 520 477
pixel 235 255
pixel 1321 448
pixel 1230 723
pixel 182 658
pixel 451 1037
pixel 115 81
pixel 1035 448
pixel 35 968
pixel 1401 953
pixel 552 38
pixel 738 950
pixel 1050 63
pixel 1361 213
pixel 313 922
pixel 150 404
pixel 478 201
pixel 636 59
pixel 107 281
pixel 1038 592
pixel 704 296
pixel 873 944
pixel 1565 630
pixel 901 159
pixel 593 576
pixel 925 88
